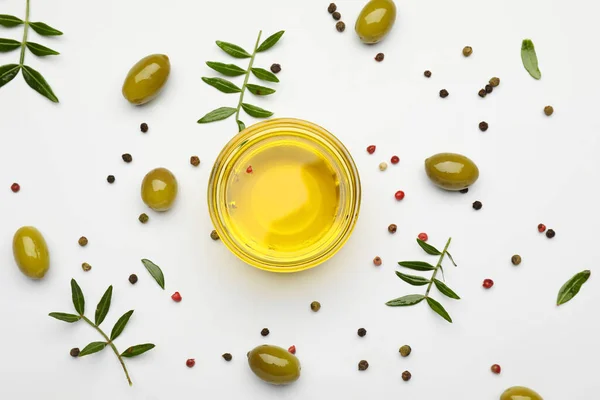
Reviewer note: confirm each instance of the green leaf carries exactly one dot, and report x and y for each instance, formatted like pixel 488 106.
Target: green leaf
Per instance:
pixel 78 299
pixel 529 58
pixel 120 325
pixel 429 249
pixel 256 112
pixel 264 75
pixel 572 286
pixel 233 50
pixel 92 348
pixel 36 81
pixel 226 69
pixel 155 271
pixel 437 307
pixel 412 279
pixel 217 115
pixel 40 50
pixel 9 21
pixel 451 259
pixel 44 30
pixel 241 125
pixel 8 73
pixel 222 84
pixel 137 350
pixel 103 306
pixel 70 318
pixel 270 41
pixel 417 265
pixel 408 300
pixel 7 45
pixel 441 286
pixel 259 90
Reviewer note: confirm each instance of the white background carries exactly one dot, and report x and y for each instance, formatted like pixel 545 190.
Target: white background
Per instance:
pixel 533 169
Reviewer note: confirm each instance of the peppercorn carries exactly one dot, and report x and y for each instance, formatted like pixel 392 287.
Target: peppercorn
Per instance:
pixel 488 283
pixel 406 376
pixel 489 89
pixel 399 195
pixel 195 161
pixel 477 205
pixel 265 332
pixel 541 228
pixel 496 368
pixel 392 228
pixel 464 191
pixel 144 127
pixel 423 236
pixel 427 74
pixel 495 82
pixel 127 157
pixel 336 15
pixel 382 166
pixel 133 279
pixel 332 7
pixel 292 349
pixel 176 297
pixel 275 68
pixel 110 179
pixel 315 306
pixel 227 357
pixel 371 149
pixel 86 267
pixel 82 241
pixel 483 126
pixel 395 160
pixel 190 362
pixel 214 235
pixel 249 169
pixel 467 51
pixel 15 187
pixel 516 259
pixel 548 110
pixel 550 233
pixel 482 93
pixel 377 261
pixel 444 93
pixel 405 350
pixel 340 26
pixel 363 365
pixel 74 352
pixel 379 57
pixel 143 218
pixel 362 332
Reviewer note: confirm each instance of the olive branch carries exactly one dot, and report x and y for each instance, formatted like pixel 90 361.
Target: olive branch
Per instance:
pixel 412 299
pixel 233 70
pixel 34 79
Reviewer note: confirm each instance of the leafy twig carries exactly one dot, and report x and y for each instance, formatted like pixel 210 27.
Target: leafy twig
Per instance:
pixel 233 70
pixel 412 299
pixel 101 312
pixel 33 78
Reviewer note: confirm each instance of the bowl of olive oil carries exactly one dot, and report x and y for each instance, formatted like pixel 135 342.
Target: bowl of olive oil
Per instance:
pixel 284 195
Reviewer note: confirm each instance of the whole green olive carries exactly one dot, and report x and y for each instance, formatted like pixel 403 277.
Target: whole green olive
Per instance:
pixel 159 189
pixel 146 78
pixel 274 364
pixel 451 171
pixel 520 393
pixel 375 20
pixel 31 252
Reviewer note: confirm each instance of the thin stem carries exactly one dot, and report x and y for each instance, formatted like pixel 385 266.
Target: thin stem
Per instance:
pixel 437 267
pixel 239 106
pixel 108 341
pixel 25 31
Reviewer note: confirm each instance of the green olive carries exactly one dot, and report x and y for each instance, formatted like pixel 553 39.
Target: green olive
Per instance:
pixel 31 252
pixel 274 364
pixel 159 189
pixel 451 171
pixel 375 20
pixel 520 393
pixel 146 78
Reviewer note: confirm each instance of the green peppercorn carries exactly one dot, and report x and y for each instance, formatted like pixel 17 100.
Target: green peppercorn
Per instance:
pixel 495 82
pixel 548 110
pixel 467 51
pixel 405 350
pixel 83 241
pixel 516 259
pixel 143 218
pixel 315 306
pixel 86 267
pixel 195 161
pixel 214 235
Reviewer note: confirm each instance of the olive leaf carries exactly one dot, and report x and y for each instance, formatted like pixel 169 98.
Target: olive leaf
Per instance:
pixel 40 50
pixel 226 69
pixel 120 325
pixel 8 73
pixel 572 287
pixel 103 306
pixel 445 290
pixel 259 90
pixel 270 41
pixel 437 307
pixel 36 81
pixel 417 265
pixel 10 21
pixel 77 296
pixel 529 58
pixel 429 249
pixel 7 45
pixel 255 111
pixel 265 75
pixel 222 84
pixel 44 29
pixel 217 115
pixel 241 125
pixel 70 318
pixel 412 279
pixel 136 350
pixel 233 50
pixel 92 348
pixel 155 271
pixel 408 300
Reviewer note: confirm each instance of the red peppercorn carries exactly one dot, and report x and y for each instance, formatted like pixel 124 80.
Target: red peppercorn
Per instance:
pixel 371 149
pixel 399 195
pixel 496 369
pixel 541 228
pixel 15 187
pixel 395 159
pixel 423 236
pixel 190 362
pixel 176 297
pixel 249 169
pixel 488 283
pixel 292 349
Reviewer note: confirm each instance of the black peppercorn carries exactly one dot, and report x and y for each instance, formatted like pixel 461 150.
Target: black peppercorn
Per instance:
pixel 110 179
pixel 483 126
pixel 427 74
pixel 482 93
pixel 489 89
pixel 516 259
pixel 265 332
pixel 465 190
pixel 444 93
pixel 550 233
pixel 332 7
pixel 477 205
pixel 379 57
pixel 392 228
pixel 133 279
pixel 336 15
pixel 74 352
pixel 363 365
pixel 195 161
pixel 144 127
pixel 362 332
pixel 227 357
pixel 127 157
pixel 214 235
pixel 340 26
pixel 406 376
pixel 275 68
